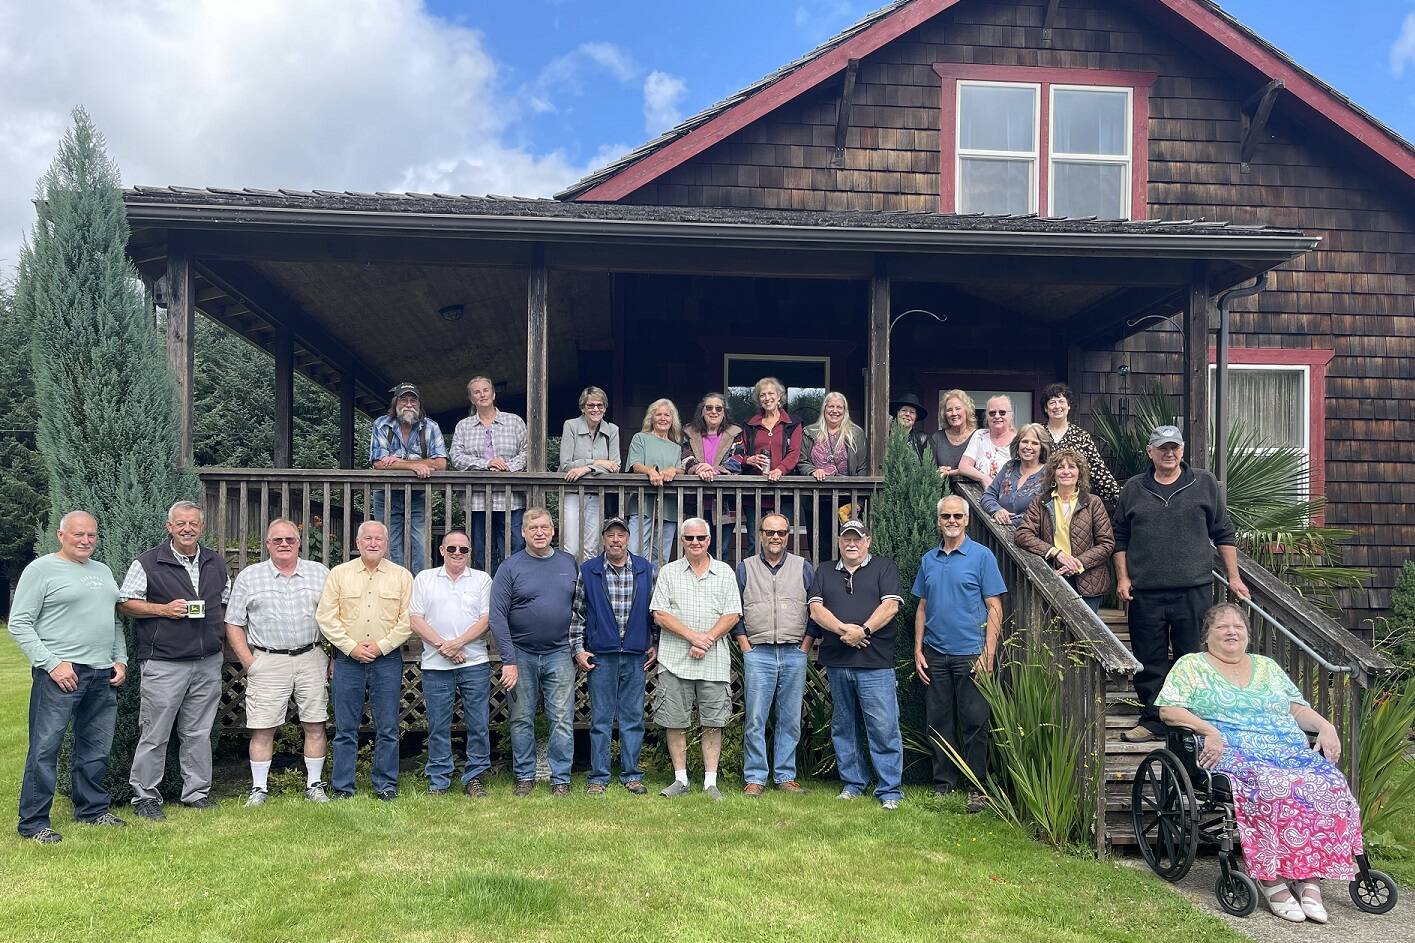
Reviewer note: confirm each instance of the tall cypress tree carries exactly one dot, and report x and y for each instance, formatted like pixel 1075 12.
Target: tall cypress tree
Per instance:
pixel 23 497
pixel 106 401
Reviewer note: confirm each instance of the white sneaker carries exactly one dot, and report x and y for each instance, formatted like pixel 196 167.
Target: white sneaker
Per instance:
pixel 257 797
pixel 889 805
pixel 848 794
pixel 315 793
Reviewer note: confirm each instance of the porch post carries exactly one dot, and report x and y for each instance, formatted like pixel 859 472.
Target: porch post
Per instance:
pixel 1196 368
pixel 181 331
pixel 536 297
pixel 346 417
pixel 878 393
pixel 284 452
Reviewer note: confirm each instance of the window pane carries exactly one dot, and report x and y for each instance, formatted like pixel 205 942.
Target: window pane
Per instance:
pixel 805 382
pixel 1088 190
pixel 1270 403
pixel 997 118
pixel 1089 122
pixel 995 186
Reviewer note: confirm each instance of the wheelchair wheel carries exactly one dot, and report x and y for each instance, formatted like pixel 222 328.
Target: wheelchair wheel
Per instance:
pixel 1376 894
pixel 1164 811
pixel 1237 893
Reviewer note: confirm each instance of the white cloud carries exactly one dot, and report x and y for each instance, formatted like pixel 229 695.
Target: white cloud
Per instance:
pixel 1402 51
pixel 663 93
pixel 565 74
pixel 336 94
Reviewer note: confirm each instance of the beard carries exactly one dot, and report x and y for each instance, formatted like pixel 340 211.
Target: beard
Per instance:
pixel 408 415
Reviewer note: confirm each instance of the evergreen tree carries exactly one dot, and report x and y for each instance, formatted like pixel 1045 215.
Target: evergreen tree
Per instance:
pixel 106 403
pixel 23 484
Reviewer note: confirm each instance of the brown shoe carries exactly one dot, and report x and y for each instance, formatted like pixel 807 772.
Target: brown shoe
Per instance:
pixel 594 789
pixel 754 790
pixel 1140 734
pixel 524 787
pixel 475 788
pixel 560 790
pixel 791 786
pixel 636 787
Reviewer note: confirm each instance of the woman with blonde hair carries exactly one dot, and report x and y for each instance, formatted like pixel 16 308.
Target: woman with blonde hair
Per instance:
pixel 655 451
pixel 949 443
pixel 831 447
pixel 1068 526
pixel 1020 480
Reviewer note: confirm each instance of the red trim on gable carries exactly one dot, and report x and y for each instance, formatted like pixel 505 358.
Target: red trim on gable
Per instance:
pixel 1316 360
pixel 765 101
pixel 1139 82
pixel 1299 85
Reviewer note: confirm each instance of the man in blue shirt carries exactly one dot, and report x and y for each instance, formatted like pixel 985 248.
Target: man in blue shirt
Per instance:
pixel 405 440
pixel 956 633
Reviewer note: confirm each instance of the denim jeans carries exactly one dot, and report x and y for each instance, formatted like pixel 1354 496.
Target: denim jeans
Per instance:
pixel 381 682
pixel 772 674
pixel 955 710
pixel 616 687
pixel 550 676
pixel 497 521
pixel 641 538
pixel 416 560
pixel 92 707
pixel 473 683
pixel 865 715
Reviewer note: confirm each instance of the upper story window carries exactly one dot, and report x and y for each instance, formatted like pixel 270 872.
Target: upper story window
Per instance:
pixel 1046 141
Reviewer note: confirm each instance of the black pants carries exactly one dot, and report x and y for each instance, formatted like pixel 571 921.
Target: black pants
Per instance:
pixel 956 711
pixel 1163 621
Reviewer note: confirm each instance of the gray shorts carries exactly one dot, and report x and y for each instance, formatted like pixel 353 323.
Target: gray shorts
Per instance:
pixel 674 697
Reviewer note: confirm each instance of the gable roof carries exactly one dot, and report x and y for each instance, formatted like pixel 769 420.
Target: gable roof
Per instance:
pixel 646 163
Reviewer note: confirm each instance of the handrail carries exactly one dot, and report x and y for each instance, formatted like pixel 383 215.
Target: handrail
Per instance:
pixel 525 479
pixel 1109 650
pixel 1291 636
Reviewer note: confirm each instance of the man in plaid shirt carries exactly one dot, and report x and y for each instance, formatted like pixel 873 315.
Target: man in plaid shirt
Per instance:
pixel 405 440
pixel 491 440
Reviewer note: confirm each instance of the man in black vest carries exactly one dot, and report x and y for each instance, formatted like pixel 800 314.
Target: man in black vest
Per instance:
pixel 177 593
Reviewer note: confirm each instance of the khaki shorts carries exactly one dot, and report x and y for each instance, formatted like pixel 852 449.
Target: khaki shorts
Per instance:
pixel 273 680
pixel 674 697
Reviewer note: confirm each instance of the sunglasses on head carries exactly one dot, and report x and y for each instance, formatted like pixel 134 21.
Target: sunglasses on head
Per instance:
pixel 457 550
pixel 694 538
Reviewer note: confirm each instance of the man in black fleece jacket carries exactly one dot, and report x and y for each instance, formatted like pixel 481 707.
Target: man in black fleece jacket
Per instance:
pixel 1167 524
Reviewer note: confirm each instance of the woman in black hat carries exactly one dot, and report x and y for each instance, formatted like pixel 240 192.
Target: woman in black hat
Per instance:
pixel 910 414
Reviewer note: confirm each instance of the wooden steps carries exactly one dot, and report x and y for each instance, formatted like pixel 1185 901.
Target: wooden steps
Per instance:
pixel 1122 758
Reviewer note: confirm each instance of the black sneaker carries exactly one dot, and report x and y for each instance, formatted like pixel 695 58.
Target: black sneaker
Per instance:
pixel 149 809
pixel 105 818
pixel 205 802
pixel 46 836
pixel 437 790
pixel 387 795
pixel 475 788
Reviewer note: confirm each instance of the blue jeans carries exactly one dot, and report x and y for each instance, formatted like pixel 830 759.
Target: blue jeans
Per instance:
pixel 92 707
pixel 417 526
pixel 772 674
pixel 381 681
pixel 641 538
pixel 497 521
pixel 865 713
pixel 550 676
pixel 616 687
pixel 473 683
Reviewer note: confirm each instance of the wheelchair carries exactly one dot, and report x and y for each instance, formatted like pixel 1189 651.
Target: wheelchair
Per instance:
pixel 1176 804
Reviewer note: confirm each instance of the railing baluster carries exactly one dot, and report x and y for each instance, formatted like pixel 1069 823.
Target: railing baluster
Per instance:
pixel 244 524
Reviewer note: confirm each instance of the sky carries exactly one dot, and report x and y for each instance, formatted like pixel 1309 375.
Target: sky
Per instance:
pixel 515 97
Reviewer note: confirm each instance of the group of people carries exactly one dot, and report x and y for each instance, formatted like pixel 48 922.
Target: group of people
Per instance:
pixel 609 610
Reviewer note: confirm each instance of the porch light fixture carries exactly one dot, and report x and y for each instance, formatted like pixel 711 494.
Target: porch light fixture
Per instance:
pixel 451 312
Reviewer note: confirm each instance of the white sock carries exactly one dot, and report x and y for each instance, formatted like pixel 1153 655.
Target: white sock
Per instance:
pixel 260 774
pixel 681 775
pixel 314 769
pixel 710 779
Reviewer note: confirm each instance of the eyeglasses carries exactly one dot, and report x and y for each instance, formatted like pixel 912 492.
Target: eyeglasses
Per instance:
pixel 998 412
pixel 953 517
pixel 713 409
pixel 773 533
pixel 457 550
pixel 589 406
pixel 281 541
pixel 694 538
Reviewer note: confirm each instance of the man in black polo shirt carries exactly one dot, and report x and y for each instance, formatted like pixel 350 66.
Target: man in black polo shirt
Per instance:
pixel 853 604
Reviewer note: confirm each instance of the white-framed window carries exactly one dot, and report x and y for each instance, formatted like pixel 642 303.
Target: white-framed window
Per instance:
pixel 1090 165
pixel 807 380
pixel 1271 400
pixel 999 136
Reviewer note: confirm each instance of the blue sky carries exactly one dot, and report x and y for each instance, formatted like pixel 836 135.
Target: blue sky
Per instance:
pixel 715 49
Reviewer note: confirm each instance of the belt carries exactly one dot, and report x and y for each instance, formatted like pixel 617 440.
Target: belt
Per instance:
pixel 284 651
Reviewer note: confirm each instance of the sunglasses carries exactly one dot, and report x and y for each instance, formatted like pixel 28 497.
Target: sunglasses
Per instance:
pixel 773 533
pixel 594 406
pixel 713 409
pixel 997 412
pixel 281 541
pixel 457 550
pixel 952 517
pixel 849 584
pixel 694 538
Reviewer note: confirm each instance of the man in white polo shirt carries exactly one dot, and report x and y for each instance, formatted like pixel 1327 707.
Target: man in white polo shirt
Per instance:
pixel 271 628
pixel 450 613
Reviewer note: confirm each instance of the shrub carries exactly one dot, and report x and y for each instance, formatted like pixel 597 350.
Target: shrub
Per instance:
pixel 1386 785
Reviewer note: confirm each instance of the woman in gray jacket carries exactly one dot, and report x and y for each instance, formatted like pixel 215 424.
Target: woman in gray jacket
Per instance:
pixel 588 446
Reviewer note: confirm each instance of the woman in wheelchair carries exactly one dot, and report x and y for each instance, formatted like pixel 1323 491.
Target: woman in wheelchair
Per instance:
pixel 1297 820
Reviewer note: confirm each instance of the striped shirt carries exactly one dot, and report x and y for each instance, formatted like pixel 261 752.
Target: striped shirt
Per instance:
pixel 277 610
pixel 697 602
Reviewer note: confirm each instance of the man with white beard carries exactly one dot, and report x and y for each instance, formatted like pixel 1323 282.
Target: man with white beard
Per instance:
pixel 405 440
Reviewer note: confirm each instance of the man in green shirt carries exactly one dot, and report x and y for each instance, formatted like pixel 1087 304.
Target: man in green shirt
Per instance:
pixel 63 620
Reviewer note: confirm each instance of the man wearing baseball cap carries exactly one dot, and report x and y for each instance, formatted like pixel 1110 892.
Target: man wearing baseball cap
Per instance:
pixel 613 639
pixel 1167 523
pixel 406 440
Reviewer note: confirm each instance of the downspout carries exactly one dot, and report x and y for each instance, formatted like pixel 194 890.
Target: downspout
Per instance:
pixel 1225 300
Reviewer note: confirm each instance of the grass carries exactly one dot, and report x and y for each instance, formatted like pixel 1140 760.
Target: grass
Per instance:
pixel 617 868
pixel 1398 860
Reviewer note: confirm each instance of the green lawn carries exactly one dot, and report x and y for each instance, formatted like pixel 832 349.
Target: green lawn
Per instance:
pixel 1400 864
pixel 617 868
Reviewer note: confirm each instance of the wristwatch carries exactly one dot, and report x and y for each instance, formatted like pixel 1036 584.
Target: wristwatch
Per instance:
pixel 869 632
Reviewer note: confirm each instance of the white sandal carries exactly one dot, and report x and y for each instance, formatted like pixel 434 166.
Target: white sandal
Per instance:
pixel 1286 909
pixel 1313 908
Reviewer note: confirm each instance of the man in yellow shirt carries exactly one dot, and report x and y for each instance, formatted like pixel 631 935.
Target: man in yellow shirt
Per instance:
pixel 363 611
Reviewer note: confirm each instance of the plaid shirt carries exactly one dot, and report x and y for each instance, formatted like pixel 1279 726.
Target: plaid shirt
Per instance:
pixel 506 439
pixel 697 602
pixel 387 440
pixel 619 581
pixel 276 610
pixel 135 580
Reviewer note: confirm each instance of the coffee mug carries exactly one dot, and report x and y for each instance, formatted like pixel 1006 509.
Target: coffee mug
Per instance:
pixel 196 609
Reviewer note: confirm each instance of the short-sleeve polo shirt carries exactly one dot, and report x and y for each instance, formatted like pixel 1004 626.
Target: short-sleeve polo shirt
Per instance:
pixel 852 599
pixel 955 588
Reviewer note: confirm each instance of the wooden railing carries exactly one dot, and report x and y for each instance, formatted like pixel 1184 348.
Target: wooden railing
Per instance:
pixel 1042 609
